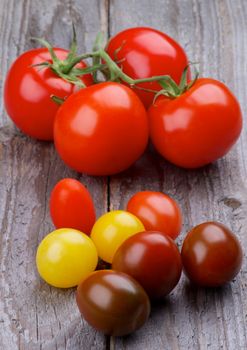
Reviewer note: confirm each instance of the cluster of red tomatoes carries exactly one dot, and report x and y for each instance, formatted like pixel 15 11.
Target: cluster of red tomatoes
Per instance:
pixel 138 244
pixel 147 91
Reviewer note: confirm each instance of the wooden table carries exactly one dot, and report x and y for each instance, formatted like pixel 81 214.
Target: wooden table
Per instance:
pixel 36 316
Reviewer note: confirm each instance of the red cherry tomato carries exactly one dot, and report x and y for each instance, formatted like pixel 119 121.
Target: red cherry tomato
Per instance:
pixel 71 206
pixel 211 255
pixel 198 127
pixel 101 130
pixel 28 90
pixel 113 302
pixel 157 212
pixel 145 52
pixel 153 259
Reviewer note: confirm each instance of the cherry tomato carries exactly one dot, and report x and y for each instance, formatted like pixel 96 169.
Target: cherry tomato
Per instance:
pixel 211 255
pixel 157 212
pixel 113 302
pixel 65 257
pixel 101 130
pixel 145 52
pixel 28 90
pixel 112 229
pixel 71 205
pixel 198 127
pixel 151 258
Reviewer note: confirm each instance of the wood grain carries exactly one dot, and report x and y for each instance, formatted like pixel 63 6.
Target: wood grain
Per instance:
pixel 32 314
pixel 214 34
pixel 35 316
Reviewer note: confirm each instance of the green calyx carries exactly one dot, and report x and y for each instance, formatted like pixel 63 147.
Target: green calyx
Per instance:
pixel 173 90
pixel 111 70
pixel 66 69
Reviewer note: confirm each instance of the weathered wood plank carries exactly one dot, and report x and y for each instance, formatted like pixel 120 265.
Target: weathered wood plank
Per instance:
pixel 213 33
pixel 33 315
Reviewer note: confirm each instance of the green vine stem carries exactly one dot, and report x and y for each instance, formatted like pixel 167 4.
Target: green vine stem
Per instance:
pixel 102 62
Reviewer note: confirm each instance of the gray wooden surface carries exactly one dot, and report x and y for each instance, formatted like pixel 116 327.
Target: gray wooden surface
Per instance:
pixel 36 316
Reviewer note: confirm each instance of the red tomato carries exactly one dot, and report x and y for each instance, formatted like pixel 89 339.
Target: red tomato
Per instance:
pixel 153 259
pixel 198 127
pixel 101 130
pixel 211 255
pixel 146 52
pixel 28 90
pixel 157 212
pixel 71 206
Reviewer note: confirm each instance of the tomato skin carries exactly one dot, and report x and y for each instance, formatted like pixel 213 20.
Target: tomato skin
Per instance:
pixel 147 52
pixel 28 90
pixel 152 259
pixel 109 128
pixel 198 127
pixel 211 255
pixel 71 205
pixel 113 302
pixel 112 229
pixel 157 211
pixel 65 257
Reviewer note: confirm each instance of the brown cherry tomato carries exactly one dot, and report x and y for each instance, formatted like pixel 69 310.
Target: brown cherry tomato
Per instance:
pixel 157 211
pixel 211 255
pixel 113 302
pixel 153 259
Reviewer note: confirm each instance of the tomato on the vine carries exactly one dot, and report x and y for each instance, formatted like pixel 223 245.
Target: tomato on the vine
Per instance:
pixel 157 211
pixel 153 259
pixel 65 257
pixel 211 255
pixel 71 206
pixel 113 302
pixel 197 127
pixel 101 130
pixel 112 229
pixel 28 90
pixel 144 52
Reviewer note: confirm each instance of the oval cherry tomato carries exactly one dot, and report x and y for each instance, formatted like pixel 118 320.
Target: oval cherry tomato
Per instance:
pixel 151 258
pixel 71 205
pixel 157 212
pixel 145 52
pixel 65 257
pixel 113 302
pixel 211 255
pixel 28 90
pixel 112 229
pixel 101 130
pixel 198 127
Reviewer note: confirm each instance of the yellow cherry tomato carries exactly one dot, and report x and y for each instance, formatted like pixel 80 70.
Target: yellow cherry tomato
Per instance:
pixel 65 257
pixel 112 229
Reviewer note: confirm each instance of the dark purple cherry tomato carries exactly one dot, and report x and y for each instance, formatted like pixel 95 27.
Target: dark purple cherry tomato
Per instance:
pixel 113 302
pixel 153 259
pixel 211 255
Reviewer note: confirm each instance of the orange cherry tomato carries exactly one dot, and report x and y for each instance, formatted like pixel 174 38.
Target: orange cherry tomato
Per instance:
pixel 157 211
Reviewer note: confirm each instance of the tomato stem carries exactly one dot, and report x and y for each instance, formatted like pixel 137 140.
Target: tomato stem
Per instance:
pixel 67 70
